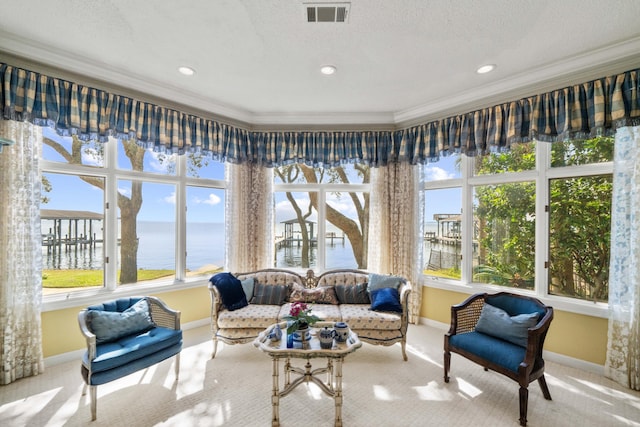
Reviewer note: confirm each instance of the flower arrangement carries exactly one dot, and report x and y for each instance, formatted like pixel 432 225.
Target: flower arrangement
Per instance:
pixel 300 317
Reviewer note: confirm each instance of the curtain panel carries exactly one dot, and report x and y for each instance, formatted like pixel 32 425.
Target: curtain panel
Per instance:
pixel 21 264
pixel 249 218
pixel 623 347
pixel 395 227
pixel 592 108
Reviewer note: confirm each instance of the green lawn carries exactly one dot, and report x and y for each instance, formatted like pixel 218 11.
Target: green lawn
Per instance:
pixel 89 278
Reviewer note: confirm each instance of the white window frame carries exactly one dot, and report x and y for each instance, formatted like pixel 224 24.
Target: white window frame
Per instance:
pixel 322 189
pixel 112 175
pixel 540 176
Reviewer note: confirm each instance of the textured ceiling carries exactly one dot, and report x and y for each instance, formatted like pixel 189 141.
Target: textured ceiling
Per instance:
pixel 258 61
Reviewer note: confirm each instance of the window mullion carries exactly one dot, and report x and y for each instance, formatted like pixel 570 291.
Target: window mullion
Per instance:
pixel 181 219
pixel 322 219
pixel 111 233
pixel 467 220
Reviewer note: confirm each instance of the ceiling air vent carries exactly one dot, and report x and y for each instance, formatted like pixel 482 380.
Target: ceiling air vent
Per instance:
pixel 327 12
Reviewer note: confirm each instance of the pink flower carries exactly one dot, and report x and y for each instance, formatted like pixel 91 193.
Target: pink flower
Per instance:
pixel 297 308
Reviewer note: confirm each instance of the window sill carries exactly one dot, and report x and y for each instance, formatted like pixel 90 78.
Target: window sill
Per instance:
pixel 94 296
pixel 571 305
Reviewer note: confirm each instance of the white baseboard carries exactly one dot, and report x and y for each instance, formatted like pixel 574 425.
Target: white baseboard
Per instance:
pixel 76 355
pixel 548 355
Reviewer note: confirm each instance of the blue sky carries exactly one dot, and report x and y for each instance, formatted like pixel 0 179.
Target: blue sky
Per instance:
pixel 203 204
pixel 71 193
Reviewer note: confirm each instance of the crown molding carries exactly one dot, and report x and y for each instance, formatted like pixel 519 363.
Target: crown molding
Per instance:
pixel 612 59
pixel 598 63
pixel 104 75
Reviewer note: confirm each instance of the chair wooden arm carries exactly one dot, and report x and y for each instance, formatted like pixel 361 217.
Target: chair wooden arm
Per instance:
pixel 88 335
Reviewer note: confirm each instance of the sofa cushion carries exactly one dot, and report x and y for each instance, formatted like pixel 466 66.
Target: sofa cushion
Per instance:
pixel 251 316
pixel 377 281
pixel 269 294
pixel 360 316
pixel 111 325
pixel 386 299
pixel 353 294
pixel 495 350
pixel 230 289
pixel 497 323
pixel 326 312
pixel 318 295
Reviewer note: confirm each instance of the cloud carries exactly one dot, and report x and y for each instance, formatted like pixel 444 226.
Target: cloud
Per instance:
pixel 124 191
pixel 434 173
pixel 211 200
pixel 171 199
pixel 284 211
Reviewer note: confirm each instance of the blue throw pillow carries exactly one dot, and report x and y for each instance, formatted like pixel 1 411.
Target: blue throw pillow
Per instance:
pixel 230 289
pixel 247 287
pixel 377 281
pixel 112 325
pixel 497 323
pixel 386 299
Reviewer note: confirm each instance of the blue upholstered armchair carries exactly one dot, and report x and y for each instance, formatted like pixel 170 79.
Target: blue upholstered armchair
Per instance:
pixel 503 332
pixel 124 336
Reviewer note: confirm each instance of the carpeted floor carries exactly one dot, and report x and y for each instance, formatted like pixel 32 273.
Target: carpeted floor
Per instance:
pixel 379 390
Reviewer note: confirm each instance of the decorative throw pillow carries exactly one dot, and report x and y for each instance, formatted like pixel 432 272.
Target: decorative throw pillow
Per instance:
pixel 377 281
pixel 230 290
pixel 247 286
pixel 353 294
pixel 386 299
pixel 319 295
pixel 112 325
pixel 269 294
pixel 497 323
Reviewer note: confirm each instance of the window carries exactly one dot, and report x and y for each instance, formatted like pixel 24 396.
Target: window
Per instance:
pixel 535 218
pixel 118 214
pixel 321 217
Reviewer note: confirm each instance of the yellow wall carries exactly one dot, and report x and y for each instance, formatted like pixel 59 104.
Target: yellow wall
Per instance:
pixel 61 334
pixel 573 335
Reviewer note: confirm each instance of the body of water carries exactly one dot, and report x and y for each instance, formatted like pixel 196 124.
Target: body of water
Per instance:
pixel 205 246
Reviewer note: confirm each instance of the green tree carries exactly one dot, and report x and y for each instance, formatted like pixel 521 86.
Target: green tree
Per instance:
pixel 505 214
pixel 129 205
pixel 356 231
pixel 579 221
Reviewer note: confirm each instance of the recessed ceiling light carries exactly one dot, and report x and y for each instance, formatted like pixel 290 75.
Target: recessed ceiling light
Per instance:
pixel 486 69
pixel 328 69
pixel 187 71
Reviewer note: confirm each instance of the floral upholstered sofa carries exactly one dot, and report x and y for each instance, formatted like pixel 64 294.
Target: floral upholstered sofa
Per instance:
pixel 374 306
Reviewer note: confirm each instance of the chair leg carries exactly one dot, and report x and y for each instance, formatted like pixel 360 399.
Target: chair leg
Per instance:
pixel 404 350
pixel 447 365
pixel 524 398
pixel 93 392
pixel 545 390
pixel 177 366
pixel 215 347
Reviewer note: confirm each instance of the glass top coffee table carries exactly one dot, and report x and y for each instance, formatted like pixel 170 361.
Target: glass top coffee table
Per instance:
pixel 334 356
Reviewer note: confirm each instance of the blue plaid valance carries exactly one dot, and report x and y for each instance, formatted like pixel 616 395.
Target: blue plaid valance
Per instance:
pixel 589 109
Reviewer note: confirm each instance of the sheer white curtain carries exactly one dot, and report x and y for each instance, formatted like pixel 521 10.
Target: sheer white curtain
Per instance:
pixel 249 217
pixel 394 226
pixel 623 347
pixel 21 260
